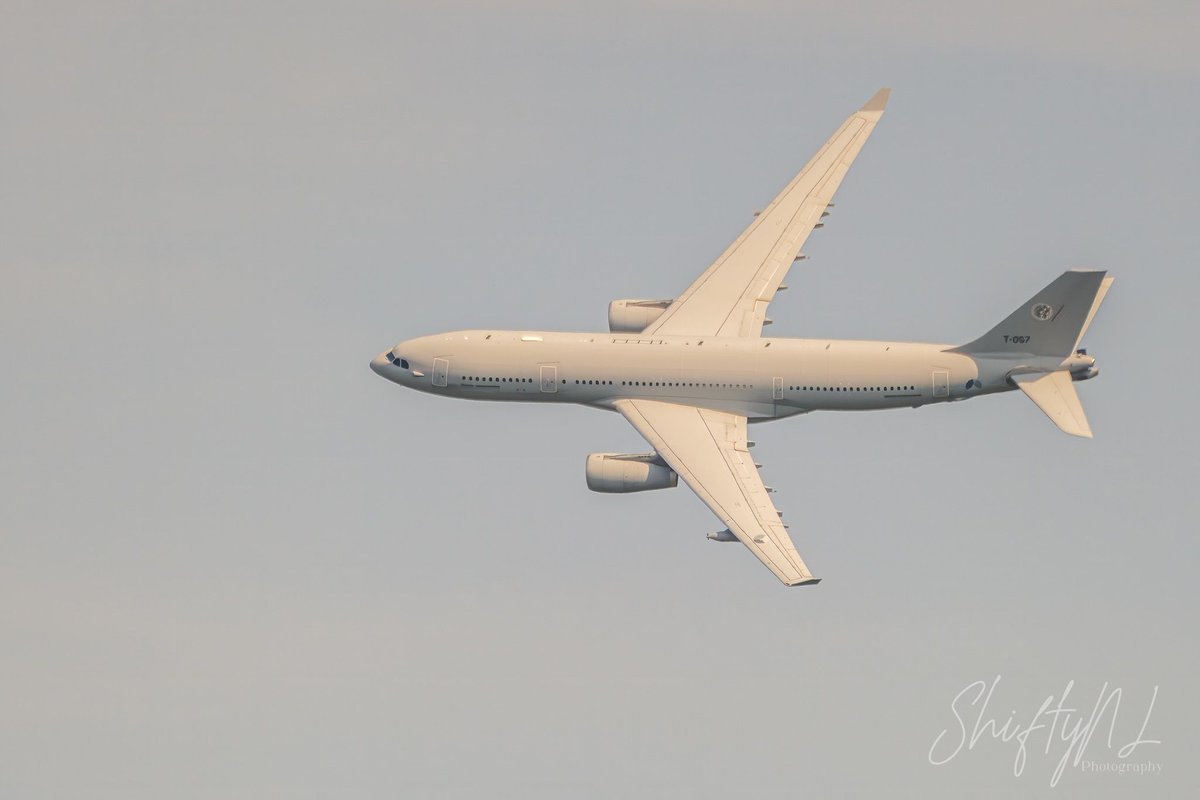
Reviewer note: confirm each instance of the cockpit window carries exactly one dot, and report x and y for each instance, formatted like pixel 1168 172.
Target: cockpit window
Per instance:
pixel 390 357
pixel 404 363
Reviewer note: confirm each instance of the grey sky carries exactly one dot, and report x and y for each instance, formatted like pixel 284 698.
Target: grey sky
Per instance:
pixel 236 563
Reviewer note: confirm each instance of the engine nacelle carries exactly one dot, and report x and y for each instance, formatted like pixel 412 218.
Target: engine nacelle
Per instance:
pixel 634 316
pixel 626 472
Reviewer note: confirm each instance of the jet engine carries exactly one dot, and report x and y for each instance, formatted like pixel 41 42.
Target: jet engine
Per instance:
pixel 628 472
pixel 634 316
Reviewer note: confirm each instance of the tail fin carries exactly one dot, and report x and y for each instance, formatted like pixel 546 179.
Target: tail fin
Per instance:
pixel 1050 323
pixel 1054 393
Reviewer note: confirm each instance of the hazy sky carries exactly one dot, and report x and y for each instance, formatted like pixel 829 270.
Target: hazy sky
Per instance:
pixel 236 563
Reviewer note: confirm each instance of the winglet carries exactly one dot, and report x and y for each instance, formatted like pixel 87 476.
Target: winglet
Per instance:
pixel 877 103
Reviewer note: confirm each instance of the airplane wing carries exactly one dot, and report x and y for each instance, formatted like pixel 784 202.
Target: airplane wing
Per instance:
pixel 731 297
pixel 708 449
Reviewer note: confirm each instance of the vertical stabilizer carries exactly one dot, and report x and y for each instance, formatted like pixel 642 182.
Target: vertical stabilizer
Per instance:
pixel 1054 393
pixel 1048 324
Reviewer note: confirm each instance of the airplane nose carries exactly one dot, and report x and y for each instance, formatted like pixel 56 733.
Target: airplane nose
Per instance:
pixel 379 363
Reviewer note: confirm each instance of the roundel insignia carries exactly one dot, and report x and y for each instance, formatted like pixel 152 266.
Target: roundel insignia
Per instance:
pixel 1042 312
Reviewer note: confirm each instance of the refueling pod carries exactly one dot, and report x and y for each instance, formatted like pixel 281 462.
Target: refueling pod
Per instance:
pixel 628 472
pixel 634 316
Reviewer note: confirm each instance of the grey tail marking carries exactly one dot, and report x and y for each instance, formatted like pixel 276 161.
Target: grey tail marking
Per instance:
pixel 1050 323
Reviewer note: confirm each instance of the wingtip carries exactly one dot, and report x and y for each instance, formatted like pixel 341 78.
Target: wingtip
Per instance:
pixel 878 101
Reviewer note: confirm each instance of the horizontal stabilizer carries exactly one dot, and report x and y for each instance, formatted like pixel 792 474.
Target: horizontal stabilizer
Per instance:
pixel 1104 284
pixel 1054 393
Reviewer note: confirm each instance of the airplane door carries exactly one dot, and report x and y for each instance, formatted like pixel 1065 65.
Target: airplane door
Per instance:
pixel 441 371
pixel 549 375
pixel 941 383
pixel 777 388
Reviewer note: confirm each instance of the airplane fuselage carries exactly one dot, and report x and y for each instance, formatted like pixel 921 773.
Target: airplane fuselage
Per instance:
pixel 760 378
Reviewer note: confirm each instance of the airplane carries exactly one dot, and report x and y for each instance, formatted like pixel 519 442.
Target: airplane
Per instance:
pixel 691 372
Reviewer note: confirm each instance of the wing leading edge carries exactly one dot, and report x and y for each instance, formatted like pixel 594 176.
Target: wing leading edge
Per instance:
pixel 708 450
pixel 731 297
